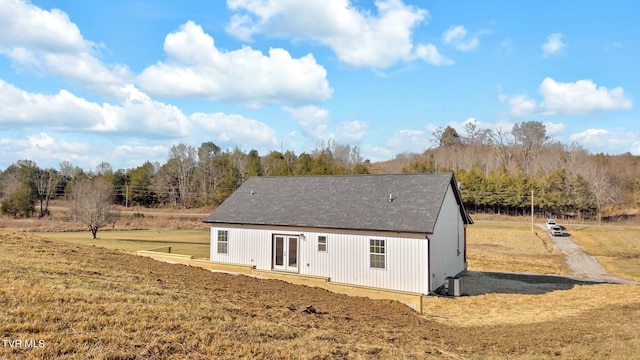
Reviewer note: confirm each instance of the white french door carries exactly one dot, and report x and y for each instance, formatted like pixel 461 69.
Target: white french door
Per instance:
pixel 285 253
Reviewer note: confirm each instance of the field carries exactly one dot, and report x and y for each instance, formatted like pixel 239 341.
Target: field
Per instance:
pixel 188 242
pixel 616 247
pixel 91 302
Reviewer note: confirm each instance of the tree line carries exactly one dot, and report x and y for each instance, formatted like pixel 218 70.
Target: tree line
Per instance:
pixel 498 171
pixel 191 177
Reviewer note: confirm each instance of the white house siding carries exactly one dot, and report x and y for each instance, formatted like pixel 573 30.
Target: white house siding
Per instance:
pixel 447 242
pixel 345 261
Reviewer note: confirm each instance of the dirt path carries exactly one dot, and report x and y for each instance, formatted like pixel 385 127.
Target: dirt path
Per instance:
pixel 583 265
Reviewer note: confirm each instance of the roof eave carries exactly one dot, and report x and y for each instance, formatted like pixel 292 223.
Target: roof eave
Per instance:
pixel 414 231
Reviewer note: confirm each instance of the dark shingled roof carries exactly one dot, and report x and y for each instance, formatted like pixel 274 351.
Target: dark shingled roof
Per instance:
pixel 359 202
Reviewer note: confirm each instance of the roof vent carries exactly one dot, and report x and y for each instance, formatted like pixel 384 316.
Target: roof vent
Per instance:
pixel 252 192
pixel 391 197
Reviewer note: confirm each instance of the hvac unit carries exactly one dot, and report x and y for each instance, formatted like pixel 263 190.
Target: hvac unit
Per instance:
pixel 454 286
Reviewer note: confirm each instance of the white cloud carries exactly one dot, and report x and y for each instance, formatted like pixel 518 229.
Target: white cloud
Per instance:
pixel 19 108
pixel 236 129
pixel 408 140
pixel 457 37
pixel 140 119
pixel 351 131
pixel 430 54
pixel 132 156
pixel 313 120
pixel 553 128
pixel 25 25
pixel 590 136
pixel 553 45
pixel 47 149
pixel 582 97
pixel 64 111
pixel 377 153
pixel 609 142
pixel 358 37
pixel 139 114
pixel 90 73
pixel 48 42
pixel 195 67
pixel 521 105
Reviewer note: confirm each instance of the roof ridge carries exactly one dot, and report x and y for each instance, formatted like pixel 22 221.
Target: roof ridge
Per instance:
pixel 351 175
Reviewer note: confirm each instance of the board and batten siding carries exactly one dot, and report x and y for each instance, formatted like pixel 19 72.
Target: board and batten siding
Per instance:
pixel 345 261
pixel 447 242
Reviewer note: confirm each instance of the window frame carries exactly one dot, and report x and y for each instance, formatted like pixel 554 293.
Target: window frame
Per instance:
pixel 377 254
pixel 325 243
pixel 222 234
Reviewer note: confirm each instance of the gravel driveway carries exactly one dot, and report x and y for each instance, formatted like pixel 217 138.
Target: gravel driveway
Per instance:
pixel 583 265
pixel 586 270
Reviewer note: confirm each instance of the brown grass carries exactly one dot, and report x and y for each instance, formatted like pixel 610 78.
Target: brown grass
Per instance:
pixel 130 219
pixel 90 302
pixel 188 242
pixel 512 247
pixel 617 248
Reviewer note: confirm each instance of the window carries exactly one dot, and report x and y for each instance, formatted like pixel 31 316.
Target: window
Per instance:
pixel 376 254
pixel 223 242
pixel 322 243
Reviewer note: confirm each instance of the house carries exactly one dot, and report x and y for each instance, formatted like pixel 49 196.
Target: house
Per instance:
pixel 404 232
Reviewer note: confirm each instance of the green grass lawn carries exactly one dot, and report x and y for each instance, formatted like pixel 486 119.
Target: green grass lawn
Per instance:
pixel 188 242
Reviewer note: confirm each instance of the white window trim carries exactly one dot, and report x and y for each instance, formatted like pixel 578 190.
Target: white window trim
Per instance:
pixel 226 241
pixel 382 254
pixel 325 243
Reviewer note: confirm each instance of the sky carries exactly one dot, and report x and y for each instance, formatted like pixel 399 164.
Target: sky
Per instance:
pixel 123 81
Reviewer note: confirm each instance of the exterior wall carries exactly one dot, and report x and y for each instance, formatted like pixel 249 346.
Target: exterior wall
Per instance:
pixel 447 242
pixel 345 261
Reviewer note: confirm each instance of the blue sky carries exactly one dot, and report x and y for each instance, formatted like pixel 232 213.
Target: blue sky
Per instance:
pixel 123 81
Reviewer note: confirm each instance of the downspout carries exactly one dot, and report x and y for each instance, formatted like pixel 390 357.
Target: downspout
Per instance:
pixel 426 236
pixel 458 216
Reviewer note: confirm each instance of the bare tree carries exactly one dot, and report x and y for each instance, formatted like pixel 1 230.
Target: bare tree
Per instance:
pixel 207 171
pixel 531 135
pixel 104 169
pixel 68 170
pixel 475 134
pixel 503 146
pixel 94 204
pixel 605 191
pixel 46 182
pixel 183 162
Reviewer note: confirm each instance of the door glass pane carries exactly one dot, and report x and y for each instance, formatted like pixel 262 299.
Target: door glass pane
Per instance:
pixel 279 251
pixel 293 252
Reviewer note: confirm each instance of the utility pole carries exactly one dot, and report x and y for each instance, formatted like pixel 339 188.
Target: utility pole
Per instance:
pixel 532 211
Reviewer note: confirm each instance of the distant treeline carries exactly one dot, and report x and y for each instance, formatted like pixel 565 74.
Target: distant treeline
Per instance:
pixel 497 172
